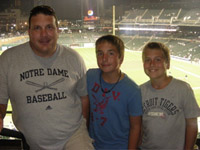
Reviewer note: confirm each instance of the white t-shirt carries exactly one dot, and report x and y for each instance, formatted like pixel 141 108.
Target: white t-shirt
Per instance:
pixel 45 94
pixel 165 111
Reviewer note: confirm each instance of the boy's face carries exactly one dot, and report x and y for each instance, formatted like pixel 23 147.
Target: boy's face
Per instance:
pixel 108 57
pixel 154 63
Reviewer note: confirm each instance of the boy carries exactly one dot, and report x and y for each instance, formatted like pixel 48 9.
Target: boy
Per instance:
pixel 115 100
pixel 169 106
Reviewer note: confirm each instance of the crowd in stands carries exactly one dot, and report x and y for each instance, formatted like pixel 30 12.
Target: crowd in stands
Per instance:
pixel 187 49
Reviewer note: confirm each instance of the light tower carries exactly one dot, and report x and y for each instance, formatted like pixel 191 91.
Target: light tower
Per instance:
pixel 40 2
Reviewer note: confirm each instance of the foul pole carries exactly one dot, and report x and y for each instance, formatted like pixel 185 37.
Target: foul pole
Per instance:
pixel 113 19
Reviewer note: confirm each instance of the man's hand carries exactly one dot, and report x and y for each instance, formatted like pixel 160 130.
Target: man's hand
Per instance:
pixel 85 108
pixel 1 123
pixel 3 108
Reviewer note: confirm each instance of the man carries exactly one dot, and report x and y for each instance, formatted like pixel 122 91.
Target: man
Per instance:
pixel 46 84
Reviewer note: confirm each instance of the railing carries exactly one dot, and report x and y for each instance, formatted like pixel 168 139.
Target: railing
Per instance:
pixel 14 139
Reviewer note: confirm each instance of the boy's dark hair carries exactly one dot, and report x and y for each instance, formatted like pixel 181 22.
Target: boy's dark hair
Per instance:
pixel 42 9
pixel 157 46
pixel 114 40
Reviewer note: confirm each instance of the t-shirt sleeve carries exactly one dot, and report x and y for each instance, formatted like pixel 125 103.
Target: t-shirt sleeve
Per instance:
pixel 135 103
pixel 191 108
pixel 81 87
pixel 3 79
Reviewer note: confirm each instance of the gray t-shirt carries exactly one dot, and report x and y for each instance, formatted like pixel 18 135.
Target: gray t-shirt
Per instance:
pixel 165 111
pixel 44 93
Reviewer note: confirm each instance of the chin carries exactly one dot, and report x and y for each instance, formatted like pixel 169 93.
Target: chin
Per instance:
pixel 151 75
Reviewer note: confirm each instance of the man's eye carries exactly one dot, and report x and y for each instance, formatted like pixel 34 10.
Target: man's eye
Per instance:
pixel 50 27
pixel 36 28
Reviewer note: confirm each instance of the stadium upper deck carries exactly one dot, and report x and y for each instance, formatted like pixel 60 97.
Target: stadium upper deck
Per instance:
pixel 179 16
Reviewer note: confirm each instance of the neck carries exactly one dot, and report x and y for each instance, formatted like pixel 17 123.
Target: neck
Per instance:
pixel 111 77
pixel 162 83
pixel 116 82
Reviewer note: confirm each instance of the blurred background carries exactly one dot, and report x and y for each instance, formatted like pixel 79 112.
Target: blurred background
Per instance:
pixel 173 22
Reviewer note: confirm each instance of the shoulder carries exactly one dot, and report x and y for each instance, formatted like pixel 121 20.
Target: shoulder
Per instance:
pixel 129 85
pixel 130 81
pixel 15 52
pixel 93 71
pixel 145 87
pixel 145 84
pixel 67 50
pixel 17 49
pixel 70 55
pixel 180 84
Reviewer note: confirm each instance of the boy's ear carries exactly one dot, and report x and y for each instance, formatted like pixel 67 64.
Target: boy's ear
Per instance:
pixel 168 65
pixel 121 59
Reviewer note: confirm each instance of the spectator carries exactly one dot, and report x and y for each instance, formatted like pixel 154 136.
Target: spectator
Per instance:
pixel 45 83
pixel 115 100
pixel 169 106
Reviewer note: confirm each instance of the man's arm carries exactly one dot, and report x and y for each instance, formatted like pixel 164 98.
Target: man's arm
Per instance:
pixel 3 108
pixel 85 108
pixel 191 133
pixel 135 132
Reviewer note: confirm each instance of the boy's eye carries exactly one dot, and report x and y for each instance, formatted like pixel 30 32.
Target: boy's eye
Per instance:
pixel 99 53
pixel 146 60
pixel 111 53
pixel 158 59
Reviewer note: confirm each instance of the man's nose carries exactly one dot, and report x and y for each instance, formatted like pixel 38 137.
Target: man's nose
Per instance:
pixel 43 32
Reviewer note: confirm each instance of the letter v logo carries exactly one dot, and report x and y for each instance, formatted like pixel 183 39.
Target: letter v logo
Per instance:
pixel 115 96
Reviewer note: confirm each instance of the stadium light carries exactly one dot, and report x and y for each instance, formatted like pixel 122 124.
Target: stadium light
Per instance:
pixel 146 29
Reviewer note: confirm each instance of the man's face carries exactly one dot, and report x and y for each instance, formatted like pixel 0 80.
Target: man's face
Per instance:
pixel 43 34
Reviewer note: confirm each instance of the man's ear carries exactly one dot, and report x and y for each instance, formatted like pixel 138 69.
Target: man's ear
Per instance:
pixel 58 30
pixel 29 31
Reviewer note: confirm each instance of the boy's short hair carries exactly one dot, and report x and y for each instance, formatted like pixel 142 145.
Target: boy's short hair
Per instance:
pixel 114 40
pixel 42 9
pixel 157 46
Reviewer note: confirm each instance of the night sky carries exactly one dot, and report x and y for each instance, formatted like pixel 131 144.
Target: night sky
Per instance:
pixel 65 9
pixel 71 9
